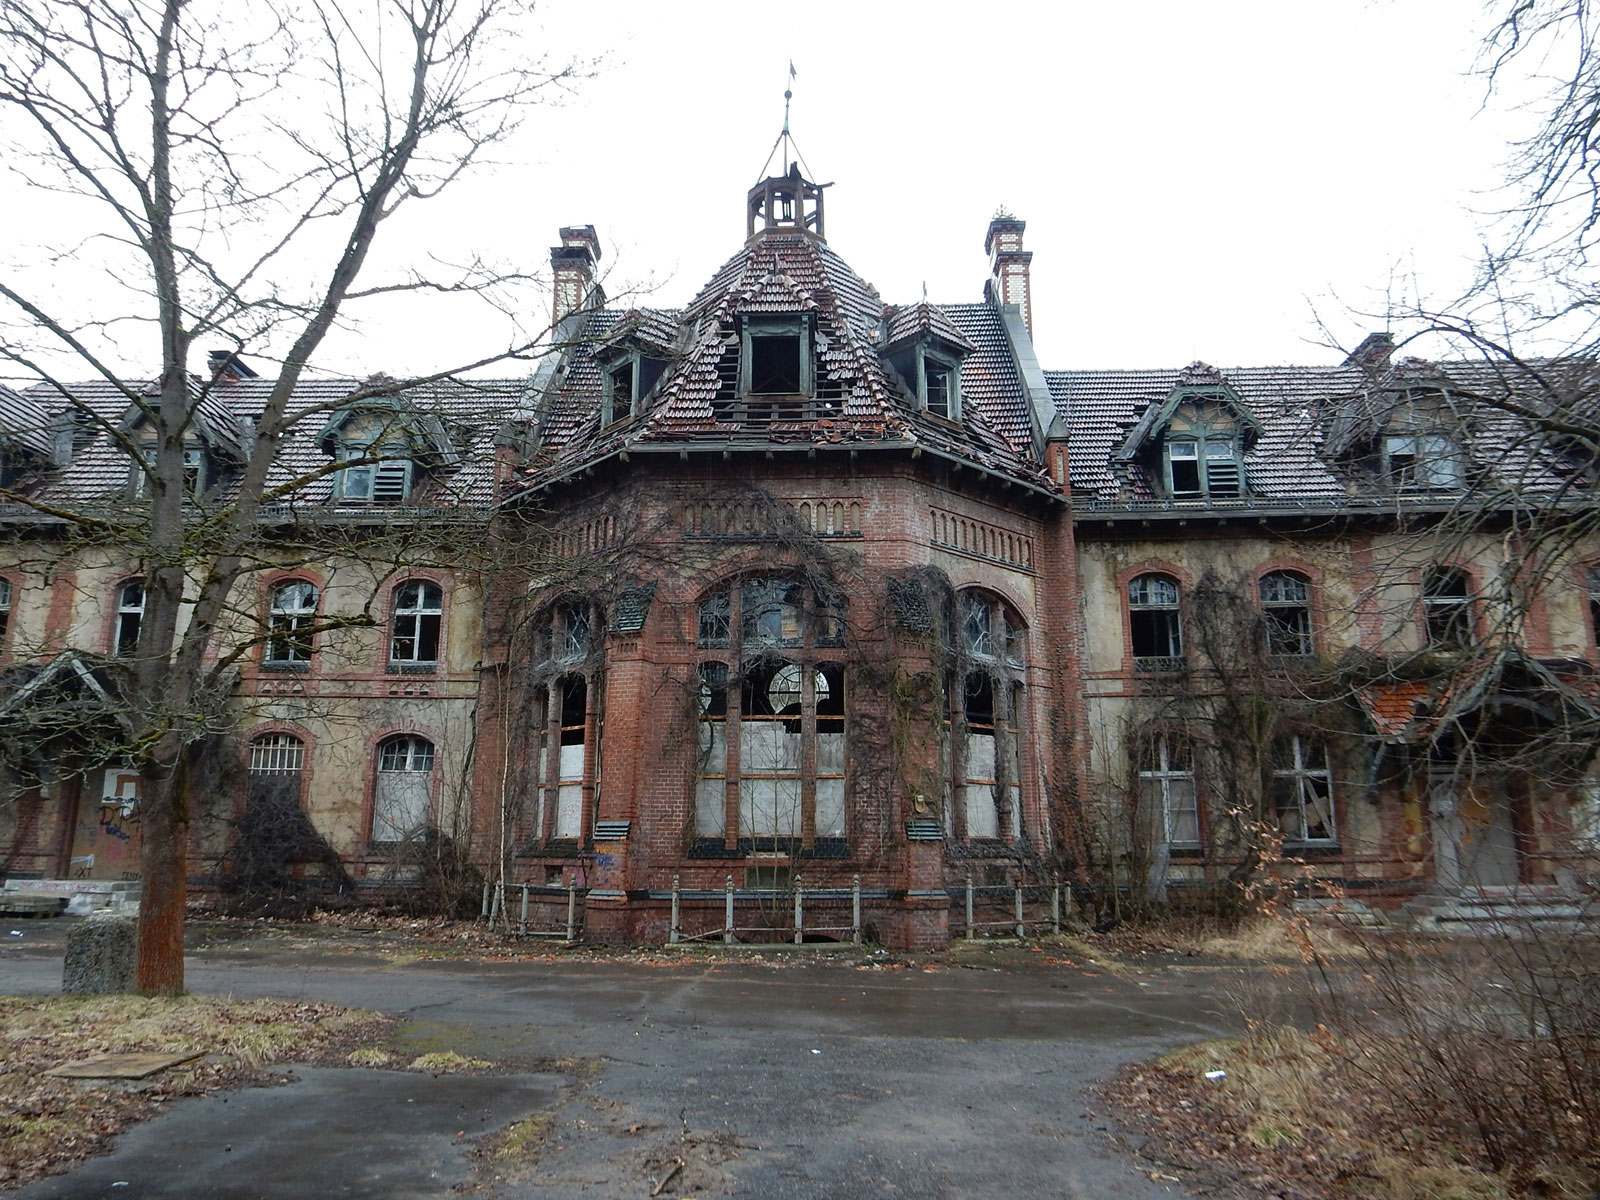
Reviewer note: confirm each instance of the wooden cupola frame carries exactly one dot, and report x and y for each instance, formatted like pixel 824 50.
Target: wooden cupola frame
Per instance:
pixel 785 204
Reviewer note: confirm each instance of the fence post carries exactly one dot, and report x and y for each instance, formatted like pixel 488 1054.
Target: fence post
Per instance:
pixel 1022 930
pixel 486 886
pixel 1055 906
pixel 799 910
pixel 572 909
pixel 727 919
pixel 672 934
pixel 855 909
pixel 522 925
pixel 970 934
pixel 497 907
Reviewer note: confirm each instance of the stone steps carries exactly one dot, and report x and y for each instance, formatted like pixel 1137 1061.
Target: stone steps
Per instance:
pixel 82 896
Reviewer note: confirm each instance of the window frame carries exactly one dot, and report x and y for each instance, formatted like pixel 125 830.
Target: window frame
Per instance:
pixel 380 466
pixel 7 598
pixel 1449 620
pixel 989 656
pixel 417 613
pixel 1273 623
pixel 611 410
pixel 1162 774
pixel 1138 607
pixel 126 616
pixel 752 329
pixel 750 631
pixel 1298 775
pixel 951 368
pixel 377 770
pixel 290 642
pixel 1432 464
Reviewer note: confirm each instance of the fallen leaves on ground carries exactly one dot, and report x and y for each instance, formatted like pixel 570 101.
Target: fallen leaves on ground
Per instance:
pixel 48 1124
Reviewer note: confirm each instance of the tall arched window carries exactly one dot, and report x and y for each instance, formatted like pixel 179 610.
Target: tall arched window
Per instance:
pixel 1155 623
pixel 771 759
pixel 1286 609
pixel 418 612
pixel 294 611
pixel 982 746
pixel 403 793
pixel 130 616
pixel 567 656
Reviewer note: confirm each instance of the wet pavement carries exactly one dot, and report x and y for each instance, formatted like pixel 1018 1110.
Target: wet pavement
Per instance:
pixel 776 1076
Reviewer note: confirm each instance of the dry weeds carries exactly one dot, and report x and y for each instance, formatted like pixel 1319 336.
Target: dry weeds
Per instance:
pixel 48 1124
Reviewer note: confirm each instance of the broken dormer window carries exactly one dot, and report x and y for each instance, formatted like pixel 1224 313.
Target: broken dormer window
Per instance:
pixel 1421 462
pixel 776 358
pixel 196 477
pixel 941 387
pixel 1208 467
pixel 620 392
pixel 365 482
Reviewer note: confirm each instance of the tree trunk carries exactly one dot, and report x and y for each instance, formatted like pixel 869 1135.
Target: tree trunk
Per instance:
pixel 164 827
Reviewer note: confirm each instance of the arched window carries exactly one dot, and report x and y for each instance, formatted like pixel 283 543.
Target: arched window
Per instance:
pixel 130 616
pixel 1154 623
pixel 981 750
pixel 418 611
pixel 1286 609
pixel 562 776
pixel 294 611
pixel 402 796
pixel 1447 609
pixel 276 761
pixel 781 775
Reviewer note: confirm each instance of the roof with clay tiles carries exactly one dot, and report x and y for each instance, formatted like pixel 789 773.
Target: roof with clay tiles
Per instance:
pixel 858 397
pixel 468 412
pixel 1311 416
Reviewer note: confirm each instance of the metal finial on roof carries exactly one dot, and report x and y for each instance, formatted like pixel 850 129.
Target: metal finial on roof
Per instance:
pixel 785 138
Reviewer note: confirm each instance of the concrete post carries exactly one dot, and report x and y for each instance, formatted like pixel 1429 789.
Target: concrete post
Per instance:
pixel 970 933
pixel 522 923
pixel 855 909
pixel 572 909
pixel 799 911
pixel 1022 930
pixel 727 919
pixel 672 934
pixel 1055 905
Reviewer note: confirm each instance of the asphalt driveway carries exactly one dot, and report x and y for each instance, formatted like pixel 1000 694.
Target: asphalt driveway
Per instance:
pixel 779 1076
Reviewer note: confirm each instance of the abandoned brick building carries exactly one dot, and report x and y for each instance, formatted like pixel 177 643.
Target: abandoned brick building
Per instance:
pixel 794 584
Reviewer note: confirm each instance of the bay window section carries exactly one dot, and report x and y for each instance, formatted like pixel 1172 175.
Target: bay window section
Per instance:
pixel 770 767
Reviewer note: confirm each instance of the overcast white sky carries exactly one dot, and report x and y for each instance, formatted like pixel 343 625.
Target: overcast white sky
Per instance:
pixel 1197 178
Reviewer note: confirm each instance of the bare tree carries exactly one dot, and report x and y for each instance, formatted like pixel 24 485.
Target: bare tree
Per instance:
pixel 226 152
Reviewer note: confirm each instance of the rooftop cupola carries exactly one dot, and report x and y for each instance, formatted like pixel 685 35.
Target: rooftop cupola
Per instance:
pixel 786 204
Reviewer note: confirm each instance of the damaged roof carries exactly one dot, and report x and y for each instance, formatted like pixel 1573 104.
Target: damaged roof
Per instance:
pixel 462 416
pixel 1316 422
pixel 857 397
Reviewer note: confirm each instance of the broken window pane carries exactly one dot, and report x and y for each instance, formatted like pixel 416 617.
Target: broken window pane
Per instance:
pixel 775 364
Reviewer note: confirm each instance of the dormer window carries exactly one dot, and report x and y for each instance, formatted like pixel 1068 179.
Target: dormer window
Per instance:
pixel 940 385
pixel 196 475
pixel 776 358
pixel 366 482
pixel 1421 462
pixel 621 394
pixel 1208 467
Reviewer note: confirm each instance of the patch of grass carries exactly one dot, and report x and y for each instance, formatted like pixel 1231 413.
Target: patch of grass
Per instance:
pixel 48 1124
pixel 520 1142
pixel 369 1056
pixel 447 1062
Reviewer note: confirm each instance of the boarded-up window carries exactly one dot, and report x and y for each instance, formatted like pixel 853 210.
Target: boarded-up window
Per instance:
pixel 404 791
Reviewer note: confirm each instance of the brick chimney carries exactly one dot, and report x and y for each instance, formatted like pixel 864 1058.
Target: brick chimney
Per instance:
pixel 572 266
pixel 1373 354
pixel 1008 267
